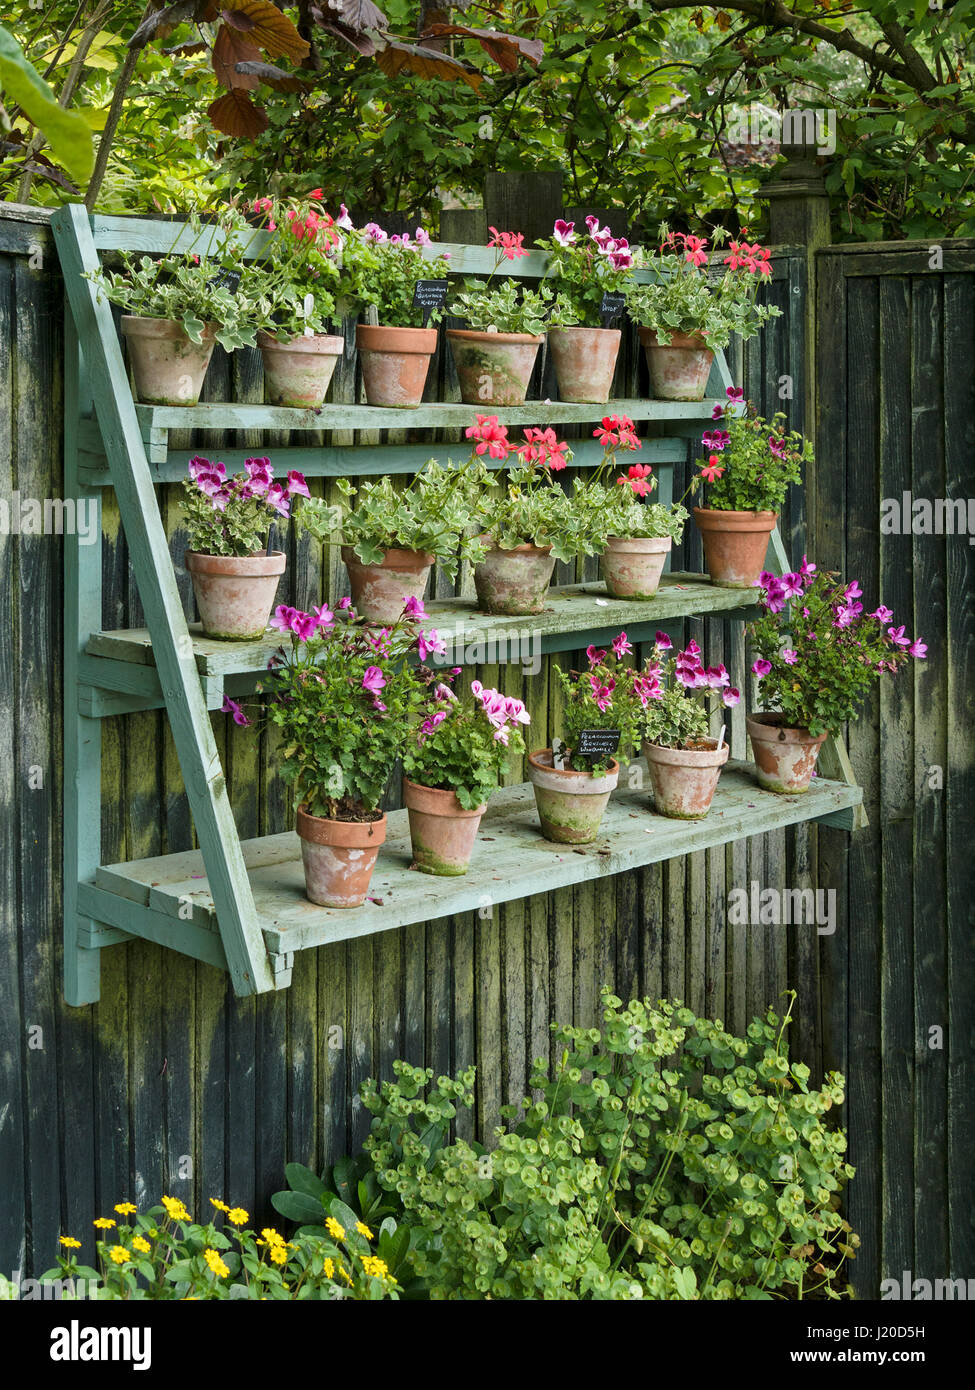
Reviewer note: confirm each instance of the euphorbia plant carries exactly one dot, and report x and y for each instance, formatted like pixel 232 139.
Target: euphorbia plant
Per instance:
pixel 232 516
pixel 682 301
pixel 609 695
pixel 684 691
pixel 585 268
pixel 819 652
pixel 750 460
pixel 384 272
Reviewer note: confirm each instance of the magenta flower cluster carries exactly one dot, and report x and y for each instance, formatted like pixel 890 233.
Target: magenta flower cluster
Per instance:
pixel 256 484
pixel 615 249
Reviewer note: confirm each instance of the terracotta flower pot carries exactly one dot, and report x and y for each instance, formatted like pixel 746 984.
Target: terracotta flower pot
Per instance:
pixel 785 758
pixel 298 372
pixel 339 857
pixel 395 362
pixel 168 366
pixel 235 593
pixel 570 804
pixel 494 368
pixel 684 779
pixel 735 544
pixel 585 362
pixel 632 567
pixel 441 831
pixel 380 591
pixel 514 581
pixel 679 371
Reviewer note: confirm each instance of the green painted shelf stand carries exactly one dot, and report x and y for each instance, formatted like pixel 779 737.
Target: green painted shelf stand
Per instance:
pixel 241 906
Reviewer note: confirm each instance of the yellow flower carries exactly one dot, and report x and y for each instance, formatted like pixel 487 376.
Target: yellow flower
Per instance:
pixel 140 1244
pixel 175 1209
pixel 104 1223
pixel 119 1254
pixel 363 1230
pixel 71 1243
pixel 329 1268
pixel 279 1254
pixel 125 1208
pixel 334 1229
pixel 375 1266
pixel 237 1215
pixel 272 1237
pixel 220 1206
pixel 216 1263
pixel 345 1274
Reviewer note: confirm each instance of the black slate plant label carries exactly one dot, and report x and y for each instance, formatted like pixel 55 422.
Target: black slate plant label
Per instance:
pixel 611 307
pixel 429 295
pixel 597 743
pixel 227 280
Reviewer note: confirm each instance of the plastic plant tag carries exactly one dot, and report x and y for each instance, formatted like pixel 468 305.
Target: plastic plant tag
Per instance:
pixel 611 308
pixel 558 754
pixel 429 295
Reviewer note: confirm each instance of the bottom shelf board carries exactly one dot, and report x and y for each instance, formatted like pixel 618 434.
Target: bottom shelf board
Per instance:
pixel 511 860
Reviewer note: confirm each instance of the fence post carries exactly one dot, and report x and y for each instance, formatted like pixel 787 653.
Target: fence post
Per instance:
pixel 527 201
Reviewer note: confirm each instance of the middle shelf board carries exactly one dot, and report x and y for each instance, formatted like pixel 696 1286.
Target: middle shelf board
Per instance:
pixel 511 860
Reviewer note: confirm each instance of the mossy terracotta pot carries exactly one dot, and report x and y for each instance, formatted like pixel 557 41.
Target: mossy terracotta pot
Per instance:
pixel 441 830
pixel 632 567
pixel 235 593
pixel 493 368
pixel 684 779
pixel 513 582
pixel 679 370
pixel 298 372
pixel 585 362
pixel 735 544
pixel 167 365
pixel 395 362
pixel 380 591
pixel 338 857
pixel 570 804
pixel 785 759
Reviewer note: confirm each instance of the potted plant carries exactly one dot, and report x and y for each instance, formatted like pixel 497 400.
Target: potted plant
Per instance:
pixel 234 576
pixel 819 653
pixel 303 252
pixel 180 305
pixel 750 463
pixel 344 699
pixel 601 713
pixel 633 534
pixel 683 760
pixel 384 274
pixel 683 319
pixel 586 269
pixel 456 759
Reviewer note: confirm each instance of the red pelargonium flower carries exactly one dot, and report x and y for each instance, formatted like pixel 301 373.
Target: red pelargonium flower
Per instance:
pixel 616 432
pixel 491 437
pixel 639 479
pixel 712 469
pixel 508 243
pixel 542 446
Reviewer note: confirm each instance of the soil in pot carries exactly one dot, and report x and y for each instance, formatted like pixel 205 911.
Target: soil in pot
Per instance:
pixel 514 581
pixel 493 368
pixel 380 591
pixel 679 370
pixel 785 758
pixel 235 593
pixel 632 567
pixel 298 373
pixel 395 362
pixel 735 544
pixel 684 779
pixel 339 857
pixel 167 365
pixel 570 804
pixel 441 830
pixel 585 362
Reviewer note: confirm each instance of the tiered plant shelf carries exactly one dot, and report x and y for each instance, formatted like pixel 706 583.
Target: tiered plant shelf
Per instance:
pixel 241 906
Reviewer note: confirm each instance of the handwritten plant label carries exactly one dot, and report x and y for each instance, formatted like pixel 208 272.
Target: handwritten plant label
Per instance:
pixel 611 308
pixel 597 743
pixel 227 280
pixel 429 295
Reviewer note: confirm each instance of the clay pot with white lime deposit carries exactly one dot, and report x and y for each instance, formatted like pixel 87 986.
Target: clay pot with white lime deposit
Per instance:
pixel 570 804
pixel 679 370
pixel 339 857
pixel 585 362
pixel 785 759
pixel 515 581
pixel 632 566
pixel 684 780
pixel 380 591
pixel 235 593
pixel 493 368
pixel 442 832
pixel 395 362
pixel 298 372
pixel 168 366
pixel 735 544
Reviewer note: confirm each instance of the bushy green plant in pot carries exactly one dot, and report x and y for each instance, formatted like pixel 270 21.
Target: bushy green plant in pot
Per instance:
pixel 818 655
pixel 750 463
pixel 452 764
pixel 684 318
pixel 586 268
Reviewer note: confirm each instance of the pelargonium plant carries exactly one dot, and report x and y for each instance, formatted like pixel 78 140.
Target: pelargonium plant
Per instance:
pixel 303 251
pixel 586 267
pixel 678 713
pixel 609 695
pixel 818 651
pixel 750 460
pixel 232 515
pixel 620 508
pixel 464 743
pixel 682 301
pixel 510 307
pixel 385 270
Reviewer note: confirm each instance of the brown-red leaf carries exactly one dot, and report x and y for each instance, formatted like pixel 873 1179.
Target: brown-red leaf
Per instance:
pixel 229 49
pixel 505 49
pixel 395 58
pixel 268 28
pixel 235 114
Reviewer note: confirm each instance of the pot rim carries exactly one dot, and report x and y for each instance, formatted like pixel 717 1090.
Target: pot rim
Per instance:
pixel 149 326
pixel 422 341
pixel 509 339
pixel 446 803
pixel 582 328
pixel 761 724
pixel 524 548
pixel 640 544
pixel 199 562
pixel 687 757
pixel 425 557
pixel 322 830
pixel 316 344
pixel 695 341
pixel 707 513
pixel 534 760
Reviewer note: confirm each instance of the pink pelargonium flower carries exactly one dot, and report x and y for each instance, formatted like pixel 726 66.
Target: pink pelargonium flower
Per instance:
pixel 713 469
pixel 601 694
pixel 413 608
pixel 622 646
pixel 284 616
pixel 373 680
pixel 502 734
pixel 344 220
pixel 734 393
pixel 491 437
pixel 792 585
pixel 422 238
pixel 199 464
pixel 730 696
pixel 662 641
pixel 297 487
pixel 345 602
pixel 277 498
pixel 761 667
pixel 542 446
pixel 596 656
pixel 564 232
pixel 917 649
pixel 789 656
pixel 431 642
pixel 373 230
pixel 882 614
pixel 231 707
pixel 717 677
pixel 324 618
pixel 444 692
pixel 896 635
pixel 517 712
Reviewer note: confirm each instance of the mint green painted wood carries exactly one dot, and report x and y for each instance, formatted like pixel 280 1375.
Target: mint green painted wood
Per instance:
pixel 206 787
pixel 164 929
